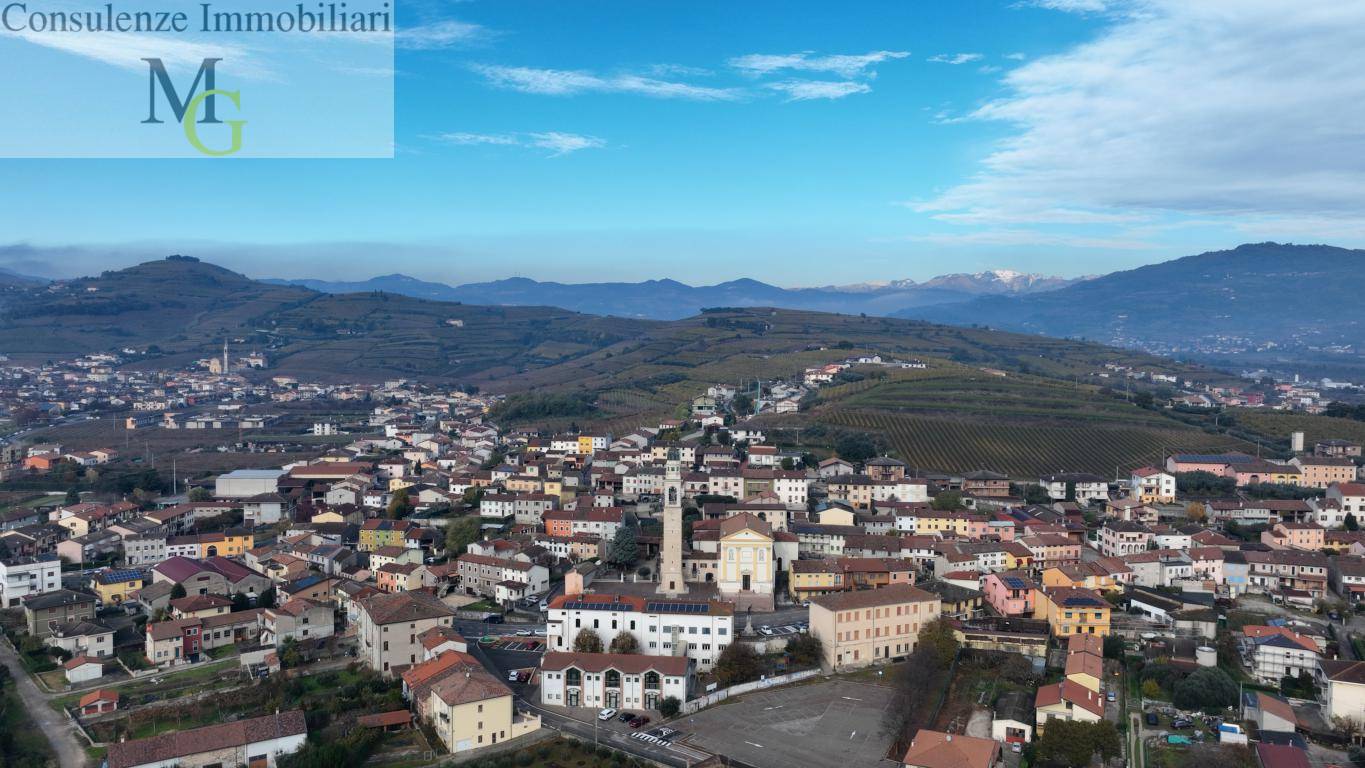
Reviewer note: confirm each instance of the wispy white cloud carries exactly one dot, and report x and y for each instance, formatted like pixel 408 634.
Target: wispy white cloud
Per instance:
pixel 558 142
pixel 1244 110
pixel 955 58
pixel 1015 56
pixel 447 33
pixel 563 143
pixel 806 90
pixel 563 82
pixel 1069 6
pixel 127 50
pixel 843 65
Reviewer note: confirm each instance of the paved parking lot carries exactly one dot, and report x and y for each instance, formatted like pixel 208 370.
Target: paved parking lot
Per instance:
pixel 830 723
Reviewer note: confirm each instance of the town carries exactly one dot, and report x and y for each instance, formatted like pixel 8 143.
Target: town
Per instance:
pixel 393 571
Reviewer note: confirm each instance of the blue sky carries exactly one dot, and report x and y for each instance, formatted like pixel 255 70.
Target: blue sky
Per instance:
pixel 799 143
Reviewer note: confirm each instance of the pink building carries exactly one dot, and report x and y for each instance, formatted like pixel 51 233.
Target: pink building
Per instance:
pixel 1010 593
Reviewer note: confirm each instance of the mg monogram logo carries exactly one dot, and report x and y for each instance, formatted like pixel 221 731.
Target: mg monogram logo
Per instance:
pixel 187 111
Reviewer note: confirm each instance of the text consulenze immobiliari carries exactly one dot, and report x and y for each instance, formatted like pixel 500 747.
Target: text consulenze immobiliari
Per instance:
pixel 314 17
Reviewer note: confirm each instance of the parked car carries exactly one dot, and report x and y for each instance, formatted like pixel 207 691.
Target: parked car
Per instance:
pixel 1152 719
pixel 512 676
pixel 626 717
pixel 1181 722
pixel 493 619
pixel 638 722
pixel 606 714
pixel 523 633
pixel 1016 747
pixel 1111 696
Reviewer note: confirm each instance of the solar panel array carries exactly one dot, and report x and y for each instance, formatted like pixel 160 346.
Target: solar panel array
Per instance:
pixel 678 607
pixel 587 606
pixel 1014 582
pixel 114 577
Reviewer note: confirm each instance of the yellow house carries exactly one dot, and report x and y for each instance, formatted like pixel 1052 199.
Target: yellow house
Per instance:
pixel 585 445
pixel 813 577
pixel 398 483
pixel 1091 575
pixel 835 515
pixel 113 587
pixel 552 488
pixel 383 533
pixel 466 706
pixel 230 543
pixel 1071 611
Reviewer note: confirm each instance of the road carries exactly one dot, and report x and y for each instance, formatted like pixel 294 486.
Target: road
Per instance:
pixel 59 731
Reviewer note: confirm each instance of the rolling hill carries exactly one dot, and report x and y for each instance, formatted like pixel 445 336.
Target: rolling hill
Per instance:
pixel 958 418
pixel 177 310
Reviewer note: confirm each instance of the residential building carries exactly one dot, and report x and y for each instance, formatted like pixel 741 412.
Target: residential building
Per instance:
pixel 1010 593
pixel 1275 652
pixel 388 625
pixel 298 619
pixel 255 742
pixel 44 612
pixel 1150 485
pixel 1066 701
pixel 1071 611
pixel 24 576
pixel 1341 686
pixel 872 626
pixel 935 749
pixel 464 704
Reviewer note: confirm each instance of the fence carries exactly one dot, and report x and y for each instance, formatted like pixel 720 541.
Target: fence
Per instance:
pixel 715 697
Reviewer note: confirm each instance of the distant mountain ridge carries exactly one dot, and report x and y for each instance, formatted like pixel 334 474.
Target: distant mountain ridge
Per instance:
pixel 1255 301
pixel 672 300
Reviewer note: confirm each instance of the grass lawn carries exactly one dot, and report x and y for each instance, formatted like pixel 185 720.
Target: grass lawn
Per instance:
pixel 564 753
pixel 55 680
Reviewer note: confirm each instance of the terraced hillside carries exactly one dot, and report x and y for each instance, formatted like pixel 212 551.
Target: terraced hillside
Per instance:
pixel 955 418
pixel 648 377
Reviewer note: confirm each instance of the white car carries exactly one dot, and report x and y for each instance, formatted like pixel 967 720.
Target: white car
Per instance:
pixel 523 633
pixel 606 714
pixel 512 676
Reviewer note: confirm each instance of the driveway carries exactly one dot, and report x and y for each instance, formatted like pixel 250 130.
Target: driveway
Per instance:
pixel 59 731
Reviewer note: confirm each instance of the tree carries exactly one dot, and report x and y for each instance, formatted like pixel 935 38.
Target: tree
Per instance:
pixel 805 650
pixel 399 505
pixel 1350 522
pixel 587 641
pixel 1151 689
pixel 788 463
pixel 199 493
pixel 177 591
pixel 290 655
pixel 1036 494
pixel 73 497
pixel 940 640
pixel 1196 512
pixel 266 598
pixel 738 663
pixel 1114 647
pixel 1073 743
pixel 743 404
pixel 625 642
pixel 670 706
pixel 460 533
pixel 947 501
pixel 1205 688
pixel 240 602
pixel 624 550
pixel 856 446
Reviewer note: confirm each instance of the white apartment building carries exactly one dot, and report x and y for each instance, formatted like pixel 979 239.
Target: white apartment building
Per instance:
pixel 697 629
pixel 1119 538
pixel 24 576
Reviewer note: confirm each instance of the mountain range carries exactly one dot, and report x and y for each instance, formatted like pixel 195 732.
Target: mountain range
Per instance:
pixel 672 300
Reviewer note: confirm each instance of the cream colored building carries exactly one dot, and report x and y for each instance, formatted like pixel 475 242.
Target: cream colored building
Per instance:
pixel 466 706
pixel 387 626
pixel 872 626
pixel 1341 685
pixel 745 567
